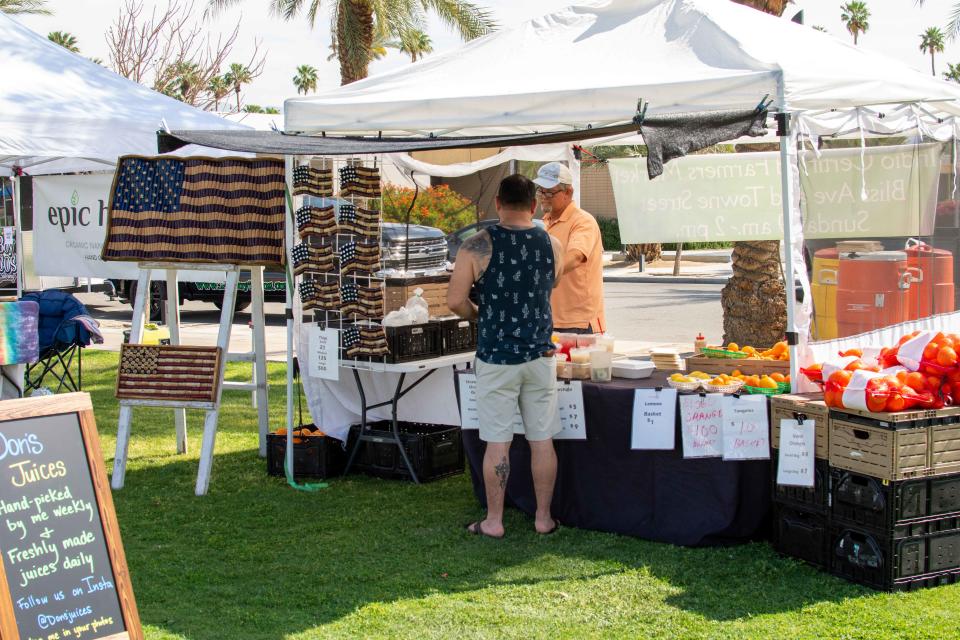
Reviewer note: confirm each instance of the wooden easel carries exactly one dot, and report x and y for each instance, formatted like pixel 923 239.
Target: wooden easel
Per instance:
pixel 257 356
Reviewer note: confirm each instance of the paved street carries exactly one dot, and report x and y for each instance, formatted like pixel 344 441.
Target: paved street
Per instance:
pixel 639 315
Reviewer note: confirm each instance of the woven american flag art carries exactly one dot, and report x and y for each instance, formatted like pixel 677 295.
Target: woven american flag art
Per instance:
pixel 166 372
pixel 316 220
pixel 360 181
pixel 307 258
pixel 308 181
pixel 359 221
pixel 217 210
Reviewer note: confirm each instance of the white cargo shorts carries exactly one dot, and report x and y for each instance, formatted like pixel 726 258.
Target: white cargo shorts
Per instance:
pixel 531 387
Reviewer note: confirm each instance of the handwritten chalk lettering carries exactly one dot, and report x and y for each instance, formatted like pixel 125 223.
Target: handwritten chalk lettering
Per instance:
pixel 28 444
pixel 27 472
pixel 36 571
pixel 97 584
pixel 45 621
pixel 51 496
pixel 81 560
pixel 75 507
pixel 31 601
pixel 17 525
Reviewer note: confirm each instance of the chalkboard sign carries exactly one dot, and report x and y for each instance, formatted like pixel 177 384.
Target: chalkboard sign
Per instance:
pixel 64 574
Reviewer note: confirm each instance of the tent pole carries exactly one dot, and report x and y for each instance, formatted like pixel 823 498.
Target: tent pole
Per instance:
pixel 290 282
pixel 786 193
pixel 18 234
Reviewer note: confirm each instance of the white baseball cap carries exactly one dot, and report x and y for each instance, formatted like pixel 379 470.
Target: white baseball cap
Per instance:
pixel 552 174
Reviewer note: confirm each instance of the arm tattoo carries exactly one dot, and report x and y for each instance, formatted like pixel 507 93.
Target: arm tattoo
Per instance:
pixel 478 244
pixel 503 471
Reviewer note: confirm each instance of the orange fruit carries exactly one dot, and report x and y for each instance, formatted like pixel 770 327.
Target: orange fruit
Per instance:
pixel 778 377
pixel 736 373
pixel 946 357
pixel 282 431
pixel 733 346
pixel 766 382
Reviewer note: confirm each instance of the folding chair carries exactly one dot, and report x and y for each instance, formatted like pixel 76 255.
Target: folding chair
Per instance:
pixel 65 328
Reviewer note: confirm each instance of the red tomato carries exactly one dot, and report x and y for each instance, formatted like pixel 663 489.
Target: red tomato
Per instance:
pixel 947 357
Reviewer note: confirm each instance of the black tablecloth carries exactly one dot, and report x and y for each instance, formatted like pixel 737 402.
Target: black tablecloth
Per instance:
pixel 602 484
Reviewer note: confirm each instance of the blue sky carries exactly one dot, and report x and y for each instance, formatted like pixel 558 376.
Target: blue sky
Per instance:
pixel 895 26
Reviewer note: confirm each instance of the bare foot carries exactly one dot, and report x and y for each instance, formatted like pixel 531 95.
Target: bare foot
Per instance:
pixel 484 528
pixel 546 526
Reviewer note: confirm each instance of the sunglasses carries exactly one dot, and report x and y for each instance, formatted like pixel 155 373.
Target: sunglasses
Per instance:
pixel 550 192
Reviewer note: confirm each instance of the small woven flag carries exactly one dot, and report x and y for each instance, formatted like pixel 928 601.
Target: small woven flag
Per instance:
pixel 316 220
pixel 308 181
pixel 360 181
pixel 312 259
pixel 168 372
pixel 359 221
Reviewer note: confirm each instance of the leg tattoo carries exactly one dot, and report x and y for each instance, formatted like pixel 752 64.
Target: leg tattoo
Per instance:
pixel 502 470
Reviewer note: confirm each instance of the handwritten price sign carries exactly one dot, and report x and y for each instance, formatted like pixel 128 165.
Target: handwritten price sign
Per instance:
pixel 654 419
pixel 746 430
pixel 569 408
pixel 701 422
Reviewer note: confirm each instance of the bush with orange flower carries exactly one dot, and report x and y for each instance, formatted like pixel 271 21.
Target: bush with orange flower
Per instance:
pixel 438 206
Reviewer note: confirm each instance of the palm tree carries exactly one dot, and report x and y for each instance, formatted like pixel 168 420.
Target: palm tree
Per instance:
pixel 306 79
pixel 356 24
pixel 67 40
pixel 952 72
pixel 252 108
pixel 754 300
pixel 931 41
pixel 271 110
pixel 236 77
pixel 219 87
pixel 35 7
pixel 416 44
pixel 856 16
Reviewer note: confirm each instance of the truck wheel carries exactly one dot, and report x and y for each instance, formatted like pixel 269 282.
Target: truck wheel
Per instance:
pixel 157 299
pixel 242 303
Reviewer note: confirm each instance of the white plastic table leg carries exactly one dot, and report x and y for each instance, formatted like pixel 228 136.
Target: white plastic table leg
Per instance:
pixel 173 324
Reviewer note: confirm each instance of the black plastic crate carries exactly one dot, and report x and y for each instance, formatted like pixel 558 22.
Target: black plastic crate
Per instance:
pixel 413 342
pixel 313 456
pixel 435 451
pixel 815 499
pixel 890 564
pixel 901 508
pixel 801 534
pixel 457 335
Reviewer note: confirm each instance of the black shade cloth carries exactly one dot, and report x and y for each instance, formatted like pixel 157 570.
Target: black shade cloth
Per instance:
pixel 275 142
pixel 604 485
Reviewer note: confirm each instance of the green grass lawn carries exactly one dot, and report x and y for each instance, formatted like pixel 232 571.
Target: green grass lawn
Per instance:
pixel 370 558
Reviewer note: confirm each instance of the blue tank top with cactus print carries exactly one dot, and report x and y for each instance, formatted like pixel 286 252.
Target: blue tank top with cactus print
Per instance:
pixel 515 323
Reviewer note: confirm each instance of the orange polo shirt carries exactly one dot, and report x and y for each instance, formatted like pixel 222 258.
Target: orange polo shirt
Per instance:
pixel 578 299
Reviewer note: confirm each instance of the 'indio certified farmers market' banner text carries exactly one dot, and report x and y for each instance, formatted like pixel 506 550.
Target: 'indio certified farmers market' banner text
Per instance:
pixel 730 197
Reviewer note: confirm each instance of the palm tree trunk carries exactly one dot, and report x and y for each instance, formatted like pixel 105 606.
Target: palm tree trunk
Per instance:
pixel 238 98
pixel 854 38
pixel 754 300
pixel 354 64
pixel 933 68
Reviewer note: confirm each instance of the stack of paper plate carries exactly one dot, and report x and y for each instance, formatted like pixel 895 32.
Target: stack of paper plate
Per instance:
pixel 668 360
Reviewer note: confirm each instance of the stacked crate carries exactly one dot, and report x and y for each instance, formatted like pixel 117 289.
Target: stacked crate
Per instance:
pixel 894 514
pixel 801 515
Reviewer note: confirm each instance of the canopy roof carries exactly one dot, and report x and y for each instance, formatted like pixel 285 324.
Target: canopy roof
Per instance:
pixel 57 104
pixel 589 64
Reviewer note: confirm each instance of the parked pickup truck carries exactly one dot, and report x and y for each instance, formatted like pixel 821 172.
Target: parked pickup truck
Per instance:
pixel 427 252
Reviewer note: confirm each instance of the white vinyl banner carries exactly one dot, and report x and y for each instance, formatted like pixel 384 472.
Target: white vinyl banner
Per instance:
pixel 736 196
pixel 70 225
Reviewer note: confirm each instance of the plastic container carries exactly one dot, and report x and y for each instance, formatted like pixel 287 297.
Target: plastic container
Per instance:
pixel 580 355
pixel 699 343
pixel 872 291
pixel 601 365
pixel 573 370
pixel 823 287
pixel 632 369
pixel 586 340
pixel 606 342
pixel 566 341
pixel 801 534
pixel 932 287
pixel 434 450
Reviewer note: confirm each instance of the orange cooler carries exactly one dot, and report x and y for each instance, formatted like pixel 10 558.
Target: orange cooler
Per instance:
pixel 931 286
pixel 872 291
pixel 823 286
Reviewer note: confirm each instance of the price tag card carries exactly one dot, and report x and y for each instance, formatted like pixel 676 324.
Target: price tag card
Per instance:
pixel 701 423
pixel 467 383
pixel 797 453
pixel 746 429
pixel 570 406
pixel 654 419
pixel 324 345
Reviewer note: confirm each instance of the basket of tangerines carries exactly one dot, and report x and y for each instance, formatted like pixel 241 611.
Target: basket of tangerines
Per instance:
pixel 768 385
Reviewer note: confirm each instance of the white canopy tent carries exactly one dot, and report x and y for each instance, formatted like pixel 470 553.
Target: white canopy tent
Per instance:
pixel 60 112
pixel 587 66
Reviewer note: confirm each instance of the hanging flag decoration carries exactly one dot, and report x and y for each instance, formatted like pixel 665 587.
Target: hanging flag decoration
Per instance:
pixel 166 372
pixel 215 210
pixel 308 181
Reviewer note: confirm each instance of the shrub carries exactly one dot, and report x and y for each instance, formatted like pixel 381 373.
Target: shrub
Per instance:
pixel 439 206
pixel 610 234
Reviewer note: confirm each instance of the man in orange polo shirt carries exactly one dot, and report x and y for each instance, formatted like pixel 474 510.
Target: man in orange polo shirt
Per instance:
pixel 578 300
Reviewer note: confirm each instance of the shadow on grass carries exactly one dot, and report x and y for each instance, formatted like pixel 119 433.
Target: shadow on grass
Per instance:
pixel 270 561
pixel 256 559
